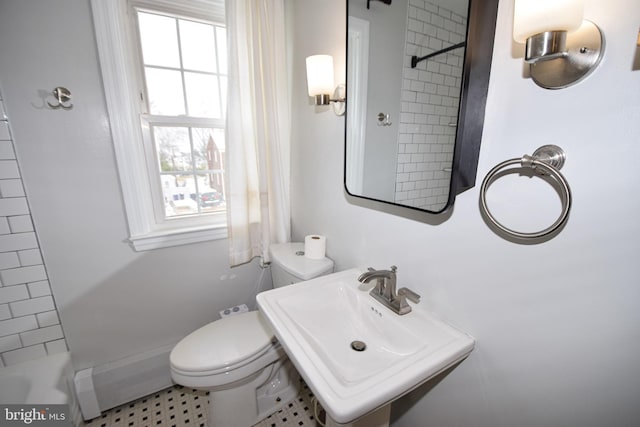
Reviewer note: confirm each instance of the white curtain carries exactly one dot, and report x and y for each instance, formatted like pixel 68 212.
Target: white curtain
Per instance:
pixel 258 129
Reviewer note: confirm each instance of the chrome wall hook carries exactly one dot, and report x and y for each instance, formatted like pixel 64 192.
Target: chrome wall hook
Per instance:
pixel 63 95
pixel 383 119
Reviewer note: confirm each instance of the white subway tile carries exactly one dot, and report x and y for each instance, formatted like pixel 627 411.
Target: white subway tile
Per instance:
pixel 39 289
pixel 32 306
pixel 14 206
pixel 41 335
pixel 13 293
pixel 48 318
pixel 30 257
pixel 18 324
pixel 437 21
pixel 9 260
pixel 54 347
pixel 10 342
pixel 6 150
pixel 24 354
pixel 4 312
pixel 4 225
pixel 18 242
pixel 19 275
pixel 4 131
pixel 11 188
pixel 20 224
pixel 9 169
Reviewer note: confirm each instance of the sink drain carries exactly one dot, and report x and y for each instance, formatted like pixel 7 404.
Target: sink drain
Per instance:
pixel 358 345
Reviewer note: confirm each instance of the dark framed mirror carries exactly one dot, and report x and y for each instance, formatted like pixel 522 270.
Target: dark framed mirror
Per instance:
pixel 417 80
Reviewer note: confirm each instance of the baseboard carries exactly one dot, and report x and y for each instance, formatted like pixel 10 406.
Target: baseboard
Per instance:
pixel 106 386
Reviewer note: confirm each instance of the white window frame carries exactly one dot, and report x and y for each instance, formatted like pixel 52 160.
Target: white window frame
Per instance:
pixel 122 84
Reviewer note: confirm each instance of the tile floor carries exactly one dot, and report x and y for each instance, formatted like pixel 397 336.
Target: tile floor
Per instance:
pixel 182 407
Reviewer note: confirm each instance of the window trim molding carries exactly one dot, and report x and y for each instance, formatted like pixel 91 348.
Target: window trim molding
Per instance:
pixel 117 59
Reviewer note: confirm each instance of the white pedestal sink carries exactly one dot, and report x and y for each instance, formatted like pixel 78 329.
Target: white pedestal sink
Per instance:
pixel 356 355
pixel 377 418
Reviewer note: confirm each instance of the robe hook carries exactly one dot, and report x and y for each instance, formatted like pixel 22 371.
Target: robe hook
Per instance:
pixel 63 95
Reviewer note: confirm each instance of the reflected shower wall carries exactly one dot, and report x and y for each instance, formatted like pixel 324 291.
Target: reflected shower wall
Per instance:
pixel 429 106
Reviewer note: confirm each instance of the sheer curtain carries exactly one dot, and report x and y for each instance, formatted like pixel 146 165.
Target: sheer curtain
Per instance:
pixel 258 129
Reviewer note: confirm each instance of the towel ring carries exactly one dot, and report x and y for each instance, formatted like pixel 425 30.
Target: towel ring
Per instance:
pixel 549 159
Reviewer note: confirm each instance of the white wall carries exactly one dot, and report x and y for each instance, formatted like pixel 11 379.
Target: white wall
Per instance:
pixel 113 302
pixel 557 324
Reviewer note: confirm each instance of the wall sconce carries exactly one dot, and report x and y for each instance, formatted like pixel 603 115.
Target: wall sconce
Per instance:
pixel 561 47
pixel 320 83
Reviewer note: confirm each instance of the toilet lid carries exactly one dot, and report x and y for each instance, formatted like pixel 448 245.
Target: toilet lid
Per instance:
pixel 290 256
pixel 223 343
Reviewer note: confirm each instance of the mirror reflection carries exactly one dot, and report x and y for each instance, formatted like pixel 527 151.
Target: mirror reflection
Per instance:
pixel 402 119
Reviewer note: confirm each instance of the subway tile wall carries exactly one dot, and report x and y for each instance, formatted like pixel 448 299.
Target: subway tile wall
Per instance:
pixel 29 323
pixel 429 109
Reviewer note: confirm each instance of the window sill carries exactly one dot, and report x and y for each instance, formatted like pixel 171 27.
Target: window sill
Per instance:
pixel 165 239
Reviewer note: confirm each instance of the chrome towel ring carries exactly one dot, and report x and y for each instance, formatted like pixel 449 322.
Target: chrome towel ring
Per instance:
pixel 548 160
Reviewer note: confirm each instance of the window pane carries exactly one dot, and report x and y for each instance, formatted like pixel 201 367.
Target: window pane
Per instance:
pixel 221 35
pixel 209 148
pixel 209 198
pixel 198 46
pixel 179 195
pixel 203 96
pixel 159 40
pixel 173 148
pixel 164 88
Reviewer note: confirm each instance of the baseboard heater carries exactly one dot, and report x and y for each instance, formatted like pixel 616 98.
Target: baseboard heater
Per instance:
pixel 106 386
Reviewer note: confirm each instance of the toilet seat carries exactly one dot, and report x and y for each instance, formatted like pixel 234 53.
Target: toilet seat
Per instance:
pixel 230 347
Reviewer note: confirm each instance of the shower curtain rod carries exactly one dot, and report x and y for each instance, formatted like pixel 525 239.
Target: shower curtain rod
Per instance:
pixel 387 2
pixel 415 60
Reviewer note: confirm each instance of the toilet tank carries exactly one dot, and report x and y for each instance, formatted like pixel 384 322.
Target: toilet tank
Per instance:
pixel 289 265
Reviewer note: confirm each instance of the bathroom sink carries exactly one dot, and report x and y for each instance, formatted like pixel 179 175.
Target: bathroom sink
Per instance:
pixel 355 354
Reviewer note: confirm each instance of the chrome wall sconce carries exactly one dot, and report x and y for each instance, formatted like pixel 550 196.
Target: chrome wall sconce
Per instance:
pixel 320 83
pixel 561 47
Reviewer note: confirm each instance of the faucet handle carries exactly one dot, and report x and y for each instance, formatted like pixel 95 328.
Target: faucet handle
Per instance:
pixel 409 294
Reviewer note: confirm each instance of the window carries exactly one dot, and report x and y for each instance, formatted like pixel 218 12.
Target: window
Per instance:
pixel 184 68
pixel 164 69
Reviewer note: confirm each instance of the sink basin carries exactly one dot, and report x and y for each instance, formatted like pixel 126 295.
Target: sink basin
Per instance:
pixel 323 324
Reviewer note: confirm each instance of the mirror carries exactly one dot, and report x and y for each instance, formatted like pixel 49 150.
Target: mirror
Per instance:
pixel 413 130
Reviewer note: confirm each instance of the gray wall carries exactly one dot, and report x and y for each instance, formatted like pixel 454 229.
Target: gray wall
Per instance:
pixel 113 302
pixel 557 324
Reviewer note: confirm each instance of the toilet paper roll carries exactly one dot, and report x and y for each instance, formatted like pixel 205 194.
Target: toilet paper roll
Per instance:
pixel 314 246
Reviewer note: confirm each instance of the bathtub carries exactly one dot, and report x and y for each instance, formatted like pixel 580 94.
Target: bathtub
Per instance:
pixel 48 380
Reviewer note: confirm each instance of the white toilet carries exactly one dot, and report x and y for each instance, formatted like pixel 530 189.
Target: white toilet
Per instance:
pixel 238 359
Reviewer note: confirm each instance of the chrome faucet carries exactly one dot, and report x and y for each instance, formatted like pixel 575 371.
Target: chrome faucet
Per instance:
pixel 385 290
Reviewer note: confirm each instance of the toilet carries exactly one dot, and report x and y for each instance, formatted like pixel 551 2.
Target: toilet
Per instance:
pixel 238 359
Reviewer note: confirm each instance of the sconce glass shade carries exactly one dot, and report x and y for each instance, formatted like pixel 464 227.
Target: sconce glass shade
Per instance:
pixel 561 48
pixel 320 75
pixel 533 17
